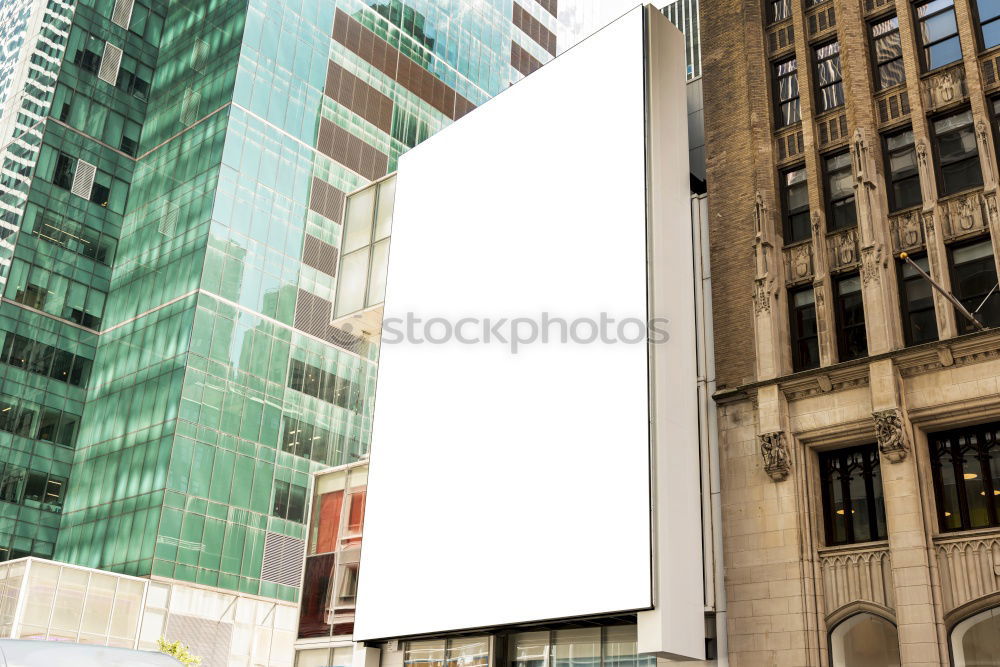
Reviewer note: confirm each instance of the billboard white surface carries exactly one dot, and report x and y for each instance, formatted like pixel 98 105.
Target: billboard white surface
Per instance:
pixel 515 487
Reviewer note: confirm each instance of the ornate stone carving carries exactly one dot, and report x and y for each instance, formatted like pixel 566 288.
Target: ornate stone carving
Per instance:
pixel 968 567
pixel 798 262
pixel 981 133
pixel 944 87
pixel 964 215
pixel 906 231
pixel 843 248
pixel 921 153
pixel 759 214
pixel 928 219
pixel 871 257
pixel 763 291
pixel 891 436
pixel 992 214
pixel 777 463
pixel 857 575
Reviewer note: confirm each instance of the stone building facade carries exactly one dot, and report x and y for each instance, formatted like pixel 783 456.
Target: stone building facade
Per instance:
pixel 858 408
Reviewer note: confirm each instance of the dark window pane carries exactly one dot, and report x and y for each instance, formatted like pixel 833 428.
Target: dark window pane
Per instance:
pixel 964 463
pixel 48 425
pixel 62 365
pixel 65 168
pixel 805 344
pixel 851 338
pixel 853 503
pixel 316 596
pixel 917 302
pixel 297 503
pixel 957 153
pixel 961 175
pixel 12 483
pixel 55 489
pixel 280 507
pixel 973 278
pixel 66 435
pixel 34 491
pixel 25 418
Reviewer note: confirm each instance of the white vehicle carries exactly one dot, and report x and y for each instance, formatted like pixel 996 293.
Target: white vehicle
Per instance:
pixel 30 653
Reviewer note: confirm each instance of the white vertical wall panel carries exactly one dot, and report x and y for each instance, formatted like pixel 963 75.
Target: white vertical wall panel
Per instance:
pixel 516 488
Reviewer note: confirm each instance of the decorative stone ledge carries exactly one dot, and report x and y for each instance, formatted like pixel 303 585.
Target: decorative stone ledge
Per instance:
pixel 852 574
pixel 969 566
pixel 943 88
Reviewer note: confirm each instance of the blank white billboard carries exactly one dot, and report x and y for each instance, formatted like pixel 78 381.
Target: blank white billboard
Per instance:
pixel 509 487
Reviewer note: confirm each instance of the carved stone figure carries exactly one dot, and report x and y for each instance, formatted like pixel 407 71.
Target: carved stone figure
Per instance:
pixel 871 257
pixel 891 436
pixel 921 153
pixel 763 288
pixel 906 230
pixel 777 463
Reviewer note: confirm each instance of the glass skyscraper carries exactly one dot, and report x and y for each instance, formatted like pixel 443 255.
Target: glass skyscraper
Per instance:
pixel 173 183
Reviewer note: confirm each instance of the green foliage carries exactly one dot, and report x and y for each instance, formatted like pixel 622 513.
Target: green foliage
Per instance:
pixel 179 651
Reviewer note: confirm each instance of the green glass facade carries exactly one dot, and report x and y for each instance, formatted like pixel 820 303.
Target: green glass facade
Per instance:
pixel 172 216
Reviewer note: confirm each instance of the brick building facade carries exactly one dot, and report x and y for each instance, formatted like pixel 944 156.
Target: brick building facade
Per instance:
pixel 859 412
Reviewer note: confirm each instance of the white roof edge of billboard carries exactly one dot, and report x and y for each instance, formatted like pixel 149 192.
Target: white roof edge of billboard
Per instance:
pixel 675 627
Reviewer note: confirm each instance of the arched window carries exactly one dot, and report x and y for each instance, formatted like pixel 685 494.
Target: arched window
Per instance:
pixel 864 640
pixel 975 642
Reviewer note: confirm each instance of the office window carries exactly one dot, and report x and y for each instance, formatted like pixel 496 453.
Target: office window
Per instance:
pixel 15 418
pixel 795 199
pixel 324 386
pixel 852 342
pixel 938 33
pixel 829 87
pixel 805 341
pixel 65 170
pixel 902 174
pixel 966 467
pixel 289 501
pixel 34 489
pixel 853 507
pixel 916 298
pixel 780 10
pixel 957 153
pixel 973 281
pixel 44 491
pixel 786 83
pixel 988 13
pixel 840 207
pixel 887 53
pixel 44 359
pixel 12 483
